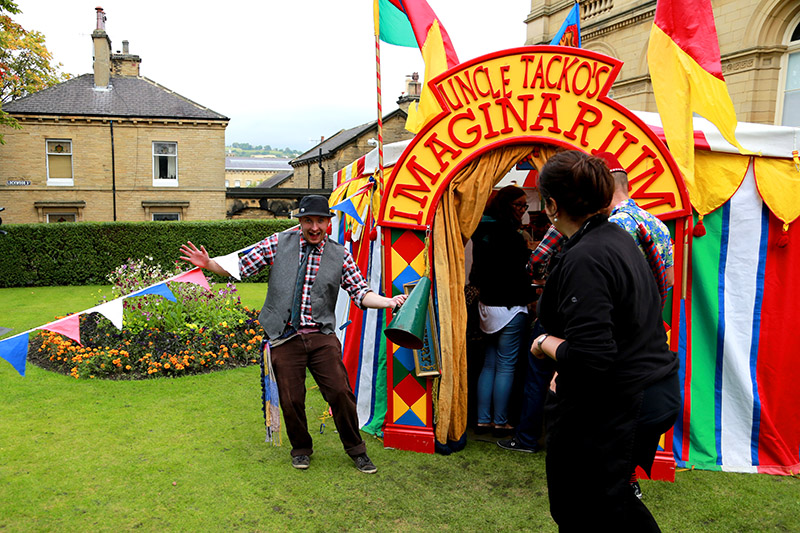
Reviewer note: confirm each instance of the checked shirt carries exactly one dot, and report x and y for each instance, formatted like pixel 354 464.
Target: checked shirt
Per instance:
pixel 551 244
pixel 263 254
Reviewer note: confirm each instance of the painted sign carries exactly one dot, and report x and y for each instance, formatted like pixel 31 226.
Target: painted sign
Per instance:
pixel 531 95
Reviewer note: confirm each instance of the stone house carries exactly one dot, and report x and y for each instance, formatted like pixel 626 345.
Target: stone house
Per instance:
pixel 345 146
pixel 112 145
pixel 759 43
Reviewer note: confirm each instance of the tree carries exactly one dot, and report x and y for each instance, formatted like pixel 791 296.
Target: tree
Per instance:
pixel 25 66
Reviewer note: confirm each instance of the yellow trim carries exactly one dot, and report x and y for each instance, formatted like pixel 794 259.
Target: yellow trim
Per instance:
pixel 779 186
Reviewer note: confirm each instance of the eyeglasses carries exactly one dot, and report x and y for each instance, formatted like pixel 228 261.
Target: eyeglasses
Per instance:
pixel 520 205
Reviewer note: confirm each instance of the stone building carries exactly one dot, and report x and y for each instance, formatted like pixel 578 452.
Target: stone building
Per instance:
pixel 253 171
pixel 112 145
pixel 759 44
pixel 344 147
pixel 313 172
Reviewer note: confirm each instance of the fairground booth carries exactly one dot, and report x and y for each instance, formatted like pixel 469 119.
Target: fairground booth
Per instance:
pixel 729 315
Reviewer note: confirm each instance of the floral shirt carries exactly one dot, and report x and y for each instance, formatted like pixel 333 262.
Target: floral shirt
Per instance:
pixel 263 254
pixel 628 216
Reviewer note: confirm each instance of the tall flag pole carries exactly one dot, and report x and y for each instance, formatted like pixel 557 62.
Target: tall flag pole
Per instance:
pixel 376 15
pixel 686 73
pixel 413 23
pixel 570 32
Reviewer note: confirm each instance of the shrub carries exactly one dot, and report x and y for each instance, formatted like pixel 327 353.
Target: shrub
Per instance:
pixel 84 253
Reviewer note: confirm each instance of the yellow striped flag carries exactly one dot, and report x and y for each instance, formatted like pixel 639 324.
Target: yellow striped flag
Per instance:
pixel 686 73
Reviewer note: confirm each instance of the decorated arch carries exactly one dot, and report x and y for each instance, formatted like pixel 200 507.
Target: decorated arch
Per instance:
pixel 496 110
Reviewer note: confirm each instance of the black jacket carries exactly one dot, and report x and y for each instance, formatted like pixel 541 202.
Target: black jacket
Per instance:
pixel 499 260
pixel 602 298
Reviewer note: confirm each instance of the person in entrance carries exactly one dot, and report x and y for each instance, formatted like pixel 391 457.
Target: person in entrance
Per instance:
pixel 298 319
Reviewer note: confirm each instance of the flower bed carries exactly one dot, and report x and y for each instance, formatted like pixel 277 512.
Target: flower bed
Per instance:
pixel 201 332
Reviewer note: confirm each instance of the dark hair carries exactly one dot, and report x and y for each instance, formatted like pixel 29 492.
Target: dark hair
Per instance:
pixel 580 183
pixel 500 206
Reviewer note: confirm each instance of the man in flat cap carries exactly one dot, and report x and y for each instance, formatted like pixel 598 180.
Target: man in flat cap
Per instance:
pixel 298 319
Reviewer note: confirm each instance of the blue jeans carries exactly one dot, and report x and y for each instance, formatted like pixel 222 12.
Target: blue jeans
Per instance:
pixel 537 383
pixel 497 375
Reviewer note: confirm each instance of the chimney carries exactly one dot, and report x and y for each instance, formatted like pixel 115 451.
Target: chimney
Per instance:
pixel 125 63
pixel 413 90
pixel 102 51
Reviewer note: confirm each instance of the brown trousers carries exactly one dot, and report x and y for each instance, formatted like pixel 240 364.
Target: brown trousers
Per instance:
pixel 322 355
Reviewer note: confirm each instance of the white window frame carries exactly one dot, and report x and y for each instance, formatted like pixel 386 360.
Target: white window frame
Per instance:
pixel 59 182
pixel 793 47
pixel 164 182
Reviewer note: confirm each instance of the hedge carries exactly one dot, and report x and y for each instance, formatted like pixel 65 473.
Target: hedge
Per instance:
pixel 84 253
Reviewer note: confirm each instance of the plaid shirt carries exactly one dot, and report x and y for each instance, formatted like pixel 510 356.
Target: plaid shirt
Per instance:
pixel 263 254
pixel 551 244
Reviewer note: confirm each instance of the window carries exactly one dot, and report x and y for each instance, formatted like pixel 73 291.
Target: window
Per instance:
pixel 59 162
pixel 166 216
pixel 60 217
pixel 791 93
pixel 165 164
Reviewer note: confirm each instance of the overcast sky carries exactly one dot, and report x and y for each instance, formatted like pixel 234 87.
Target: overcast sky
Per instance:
pixel 285 72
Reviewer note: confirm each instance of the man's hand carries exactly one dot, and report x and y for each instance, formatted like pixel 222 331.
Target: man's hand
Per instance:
pixel 197 257
pixel 398 301
pixel 376 301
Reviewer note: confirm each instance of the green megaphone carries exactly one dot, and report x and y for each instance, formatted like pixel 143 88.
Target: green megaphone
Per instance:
pixel 407 328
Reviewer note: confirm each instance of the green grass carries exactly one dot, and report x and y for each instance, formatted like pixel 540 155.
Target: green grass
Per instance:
pixel 188 454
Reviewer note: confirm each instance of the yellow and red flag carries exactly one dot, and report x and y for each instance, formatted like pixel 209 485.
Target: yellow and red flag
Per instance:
pixel 686 73
pixel 392 18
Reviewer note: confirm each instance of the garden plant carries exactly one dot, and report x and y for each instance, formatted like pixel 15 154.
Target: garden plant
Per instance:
pixel 201 331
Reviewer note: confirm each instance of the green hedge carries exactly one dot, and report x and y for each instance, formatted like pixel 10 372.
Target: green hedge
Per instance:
pixel 85 253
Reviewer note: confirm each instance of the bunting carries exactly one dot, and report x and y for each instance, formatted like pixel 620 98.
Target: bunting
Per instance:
pixel 15 349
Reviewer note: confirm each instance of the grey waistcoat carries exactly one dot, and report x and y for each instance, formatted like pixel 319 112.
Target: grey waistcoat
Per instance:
pixel 277 308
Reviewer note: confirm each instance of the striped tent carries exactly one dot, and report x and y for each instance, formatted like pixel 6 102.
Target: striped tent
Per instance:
pixel 361 332
pixel 738 308
pixel 738 343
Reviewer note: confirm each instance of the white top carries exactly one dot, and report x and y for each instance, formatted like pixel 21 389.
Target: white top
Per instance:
pixel 495 318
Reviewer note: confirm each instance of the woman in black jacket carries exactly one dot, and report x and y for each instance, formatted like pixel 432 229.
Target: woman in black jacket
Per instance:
pixel 500 256
pixel 617 385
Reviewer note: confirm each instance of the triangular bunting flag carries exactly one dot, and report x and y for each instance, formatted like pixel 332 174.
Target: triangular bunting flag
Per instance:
pixel 346 206
pixel 230 264
pixel 69 326
pixel 15 351
pixel 111 310
pixel 160 289
pixel 195 276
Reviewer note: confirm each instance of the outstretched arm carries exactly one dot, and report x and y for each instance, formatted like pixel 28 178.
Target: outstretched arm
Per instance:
pixel 199 257
pixel 376 301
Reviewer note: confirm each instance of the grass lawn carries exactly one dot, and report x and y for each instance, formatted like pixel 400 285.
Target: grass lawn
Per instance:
pixel 188 454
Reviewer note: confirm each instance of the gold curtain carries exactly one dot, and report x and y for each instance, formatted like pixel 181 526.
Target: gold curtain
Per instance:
pixel 457 215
